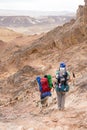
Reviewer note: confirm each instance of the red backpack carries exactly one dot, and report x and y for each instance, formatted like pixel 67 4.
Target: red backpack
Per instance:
pixel 45 85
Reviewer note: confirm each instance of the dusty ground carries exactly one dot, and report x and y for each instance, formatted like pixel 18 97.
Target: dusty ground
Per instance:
pixel 20 110
pixel 22 58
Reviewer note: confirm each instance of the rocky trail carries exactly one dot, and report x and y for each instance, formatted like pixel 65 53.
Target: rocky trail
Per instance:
pixel 25 114
pixel 19 107
pixel 23 58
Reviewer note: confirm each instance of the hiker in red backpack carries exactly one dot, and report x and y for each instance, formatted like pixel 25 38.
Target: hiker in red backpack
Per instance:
pixel 45 86
pixel 62 77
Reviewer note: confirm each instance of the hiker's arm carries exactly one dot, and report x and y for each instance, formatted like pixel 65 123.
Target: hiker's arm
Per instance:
pixel 57 74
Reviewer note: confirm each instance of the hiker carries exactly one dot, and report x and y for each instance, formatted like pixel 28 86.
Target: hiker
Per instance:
pixel 45 86
pixel 62 77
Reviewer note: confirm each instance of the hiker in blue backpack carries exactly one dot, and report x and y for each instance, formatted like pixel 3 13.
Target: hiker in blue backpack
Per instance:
pixel 62 77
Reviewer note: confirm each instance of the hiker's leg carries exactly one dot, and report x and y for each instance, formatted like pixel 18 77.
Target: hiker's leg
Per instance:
pixel 42 99
pixel 63 100
pixel 59 100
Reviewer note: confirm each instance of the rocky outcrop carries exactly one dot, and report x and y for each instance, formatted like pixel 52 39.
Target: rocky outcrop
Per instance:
pixel 82 14
pixel 80 11
pixel 85 2
pixel 85 14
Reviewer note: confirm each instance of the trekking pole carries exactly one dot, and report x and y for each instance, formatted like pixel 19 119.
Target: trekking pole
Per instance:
pixel 73 77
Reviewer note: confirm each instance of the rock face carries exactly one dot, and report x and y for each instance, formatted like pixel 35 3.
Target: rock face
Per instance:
pixel 85 2
pixel 85 13
pixel 82 13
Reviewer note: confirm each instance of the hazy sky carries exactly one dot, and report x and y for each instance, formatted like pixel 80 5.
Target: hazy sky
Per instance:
pixel 41 5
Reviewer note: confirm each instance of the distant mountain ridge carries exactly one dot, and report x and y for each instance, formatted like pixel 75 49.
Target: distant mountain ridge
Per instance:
pixel 33 22
pixel 26 21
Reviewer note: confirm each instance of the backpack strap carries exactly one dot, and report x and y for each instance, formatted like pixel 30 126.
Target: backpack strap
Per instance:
pixel 62 79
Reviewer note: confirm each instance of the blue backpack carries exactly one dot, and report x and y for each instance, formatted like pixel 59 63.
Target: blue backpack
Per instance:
pixel 38 79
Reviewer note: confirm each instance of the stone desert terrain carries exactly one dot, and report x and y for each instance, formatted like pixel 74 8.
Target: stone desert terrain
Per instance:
pixel 23 57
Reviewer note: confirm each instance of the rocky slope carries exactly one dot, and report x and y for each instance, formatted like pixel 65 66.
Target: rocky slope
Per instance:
pixel 19 103
pixel 8 35
pixel 58 39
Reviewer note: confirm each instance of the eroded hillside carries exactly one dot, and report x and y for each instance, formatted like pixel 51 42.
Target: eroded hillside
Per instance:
pixel 39 55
